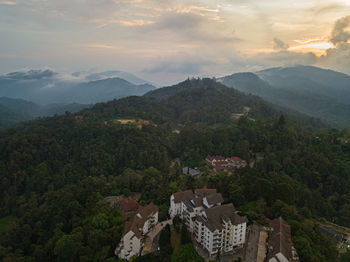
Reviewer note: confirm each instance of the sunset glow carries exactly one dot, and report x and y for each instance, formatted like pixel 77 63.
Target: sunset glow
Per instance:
pixel 218 36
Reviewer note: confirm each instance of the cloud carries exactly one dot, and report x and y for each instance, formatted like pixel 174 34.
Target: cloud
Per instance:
pixel 183 66
pixel 102 46
pixel 8 3
pixel 307 41
pixel 31 74
pixel 339 33
pixel 135 22
pixel 279 44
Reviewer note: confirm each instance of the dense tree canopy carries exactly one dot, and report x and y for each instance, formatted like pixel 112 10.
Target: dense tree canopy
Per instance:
pixel 55 172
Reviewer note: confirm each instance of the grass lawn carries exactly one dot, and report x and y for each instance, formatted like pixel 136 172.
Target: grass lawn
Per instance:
pixel 175 239
pixel 5 222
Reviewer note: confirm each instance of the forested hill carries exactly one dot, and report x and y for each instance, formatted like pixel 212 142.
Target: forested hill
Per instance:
pixel 190 102
pixel 197 100
pixel 14 111
pixel 55 172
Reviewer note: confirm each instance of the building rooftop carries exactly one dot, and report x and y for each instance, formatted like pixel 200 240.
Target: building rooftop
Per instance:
pixel 213 217
pixel 138 221
pixel 215 198
pixel 178 196
pixel 279 240
pixel 127 205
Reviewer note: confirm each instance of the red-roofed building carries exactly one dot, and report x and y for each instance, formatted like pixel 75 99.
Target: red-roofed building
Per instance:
pixel 216 160
pixel 237 162
pixel 222 163
pixel 127 205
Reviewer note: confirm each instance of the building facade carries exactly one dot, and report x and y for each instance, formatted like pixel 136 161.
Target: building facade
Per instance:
pixel 216 227
pixel 135 230
pixel 220 229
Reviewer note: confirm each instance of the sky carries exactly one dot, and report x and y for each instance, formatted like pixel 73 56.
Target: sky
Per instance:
pixel 166 41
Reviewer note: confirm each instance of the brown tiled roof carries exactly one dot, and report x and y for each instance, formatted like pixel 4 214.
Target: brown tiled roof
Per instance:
pixel 196 202
pixel 197 196
pixel 214 198
pixel 279 239
pixel 215 215
pixel 204 191
pixel 127 205
pixel 178 196
pixel 139 219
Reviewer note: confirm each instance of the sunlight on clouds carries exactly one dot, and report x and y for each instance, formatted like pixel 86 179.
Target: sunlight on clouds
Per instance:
pixel 307 41
pixel 137 33
pixel 8 3
pixel 318 49
pixel 131 22
pixel 101 46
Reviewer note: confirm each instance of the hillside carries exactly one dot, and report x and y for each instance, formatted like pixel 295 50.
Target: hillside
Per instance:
pixel 9 117
pixel 18 110
pixel 196 99
pixel 320 93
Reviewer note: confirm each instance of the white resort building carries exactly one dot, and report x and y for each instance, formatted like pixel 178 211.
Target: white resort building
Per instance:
pixel 140 224
pixel 216 227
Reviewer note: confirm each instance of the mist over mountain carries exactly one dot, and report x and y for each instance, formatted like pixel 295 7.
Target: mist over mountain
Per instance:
pixel 47 87
pixel 317 92
pixel 119 74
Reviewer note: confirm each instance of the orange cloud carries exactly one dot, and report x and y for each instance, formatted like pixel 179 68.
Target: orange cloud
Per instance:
pixel 8 3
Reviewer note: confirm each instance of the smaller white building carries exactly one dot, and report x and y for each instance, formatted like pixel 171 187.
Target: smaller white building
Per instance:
pixel 176 202
pixel 135 230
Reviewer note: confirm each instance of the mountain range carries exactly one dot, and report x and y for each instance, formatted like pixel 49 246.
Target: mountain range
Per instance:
pixel 13 111
pixel 47 86
pixel 317 92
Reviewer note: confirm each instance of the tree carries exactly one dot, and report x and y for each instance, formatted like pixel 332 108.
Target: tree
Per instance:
pixel 177 223
pixel 187 253
pixel 67 248
pixel 164 242
pixel 185 235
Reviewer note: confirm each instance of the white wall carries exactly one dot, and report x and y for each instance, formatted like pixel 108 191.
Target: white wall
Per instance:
pixel 175 208
pixel 130 241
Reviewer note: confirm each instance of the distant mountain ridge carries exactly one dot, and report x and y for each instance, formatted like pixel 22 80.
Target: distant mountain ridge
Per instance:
pixel 13 111
pixel 117 74
pixel 317 92
pixel 47 87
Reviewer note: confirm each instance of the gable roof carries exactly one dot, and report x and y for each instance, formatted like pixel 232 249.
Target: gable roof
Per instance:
pixel 216 215
pixel 127 205
pixel 214 198
pixel 178 196
pixel 280 240
pixel 204 191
